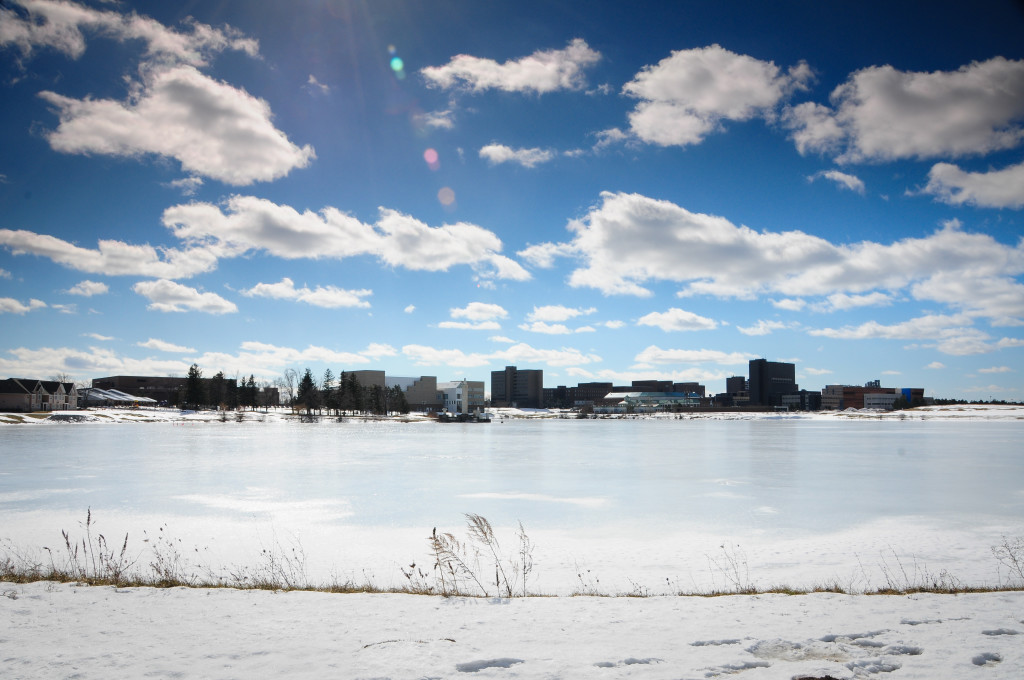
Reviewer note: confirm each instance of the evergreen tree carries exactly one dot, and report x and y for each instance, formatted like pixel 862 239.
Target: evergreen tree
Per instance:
pixel 308 393
pixel 398 402
pixel 355 393
pixel 218 390
pixel 195 388
pixel 342 393
pixel 377 403
pixel 328 394
pixel 250 392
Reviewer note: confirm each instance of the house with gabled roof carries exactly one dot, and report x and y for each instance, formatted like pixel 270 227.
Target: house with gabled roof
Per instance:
pixel 14 396
pixel 28 394
pixel 57 396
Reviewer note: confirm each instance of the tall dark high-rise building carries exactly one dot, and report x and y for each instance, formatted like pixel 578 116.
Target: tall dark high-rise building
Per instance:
pixel 514 387
pixel 769 380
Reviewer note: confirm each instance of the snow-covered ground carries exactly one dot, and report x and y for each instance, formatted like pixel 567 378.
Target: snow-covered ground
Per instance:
pixel 70 631
pixel 66 630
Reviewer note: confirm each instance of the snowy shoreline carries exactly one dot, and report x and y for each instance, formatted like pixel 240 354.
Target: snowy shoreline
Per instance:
pixel 956 412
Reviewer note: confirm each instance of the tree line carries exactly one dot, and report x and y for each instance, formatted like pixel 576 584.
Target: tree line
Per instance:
pixel 343 395
pixel 346 395
pixel 221 391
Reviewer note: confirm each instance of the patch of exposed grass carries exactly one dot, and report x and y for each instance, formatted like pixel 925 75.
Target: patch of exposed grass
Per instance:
pixel 460 568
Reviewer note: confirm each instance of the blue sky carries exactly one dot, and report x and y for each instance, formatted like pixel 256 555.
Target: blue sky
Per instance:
pixel 602 191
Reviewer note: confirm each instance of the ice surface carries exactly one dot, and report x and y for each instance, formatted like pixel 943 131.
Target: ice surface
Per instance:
pixel 650 505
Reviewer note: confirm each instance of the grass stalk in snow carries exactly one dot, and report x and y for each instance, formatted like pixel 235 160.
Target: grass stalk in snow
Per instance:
pixel 457 569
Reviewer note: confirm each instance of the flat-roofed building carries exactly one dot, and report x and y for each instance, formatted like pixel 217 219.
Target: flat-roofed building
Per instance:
pixel 369 378
pixel 421 394
pixel 769 380
pixel 520 388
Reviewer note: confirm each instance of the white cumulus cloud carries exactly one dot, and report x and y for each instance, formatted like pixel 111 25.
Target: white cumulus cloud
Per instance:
pixel 211 128
pixel 247 223
pixel 546 328
pixel 163 346
pixel 657 355
pixel 675 319
pixel 528 158
pixel 763 327
pixel 541 72
pixel 12 306
pixel 471 325
pixel 64 26
pixel 843 179
pixel 88 288
pixel 479 311
pixel 993 189
pixel 169 296
pixel 881 113
pixel 558 313
pixel 687 95
pixel 629 239
pixel 330 297
pixel 112 258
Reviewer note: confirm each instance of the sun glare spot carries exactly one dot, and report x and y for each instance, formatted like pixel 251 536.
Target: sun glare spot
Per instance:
pixel 446 196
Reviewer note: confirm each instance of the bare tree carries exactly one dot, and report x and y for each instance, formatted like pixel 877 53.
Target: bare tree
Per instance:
pixel 289 381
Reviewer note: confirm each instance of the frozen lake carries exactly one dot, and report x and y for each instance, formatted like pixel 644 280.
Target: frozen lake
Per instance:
pixel 632 501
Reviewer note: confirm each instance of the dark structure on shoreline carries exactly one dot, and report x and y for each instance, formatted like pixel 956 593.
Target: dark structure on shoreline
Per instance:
pixel 518 388
pixel 770 381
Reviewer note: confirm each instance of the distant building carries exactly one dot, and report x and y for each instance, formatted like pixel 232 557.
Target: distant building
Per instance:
pixel 651 386
pixel 881 401
pixel 369 378
pixel 462 396
pixel 420 393
pixel 689 388
pixel 871 395
pixel 162 389
pixel 803 400
pixel 646 402
pixel 769 380
pixel 736 384
pixel 517 388
pixel 584 394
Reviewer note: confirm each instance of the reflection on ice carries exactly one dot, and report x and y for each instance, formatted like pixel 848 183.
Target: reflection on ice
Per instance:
pixel 537 497
pixel 272 503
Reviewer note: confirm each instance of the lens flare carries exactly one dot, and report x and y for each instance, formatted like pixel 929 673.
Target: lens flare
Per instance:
pixel 432 159
pixel 446 196
pixel 397 64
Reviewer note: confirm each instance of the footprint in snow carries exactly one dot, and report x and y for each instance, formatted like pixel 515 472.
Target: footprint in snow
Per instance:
pixel 1001 631
pixel 733 668
pixel 626 662
pixel 474 666
pixel 987 659
pixel 715 643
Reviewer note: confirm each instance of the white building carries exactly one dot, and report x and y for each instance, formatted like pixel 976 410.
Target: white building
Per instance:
pixel 881 401
pixel 463 396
